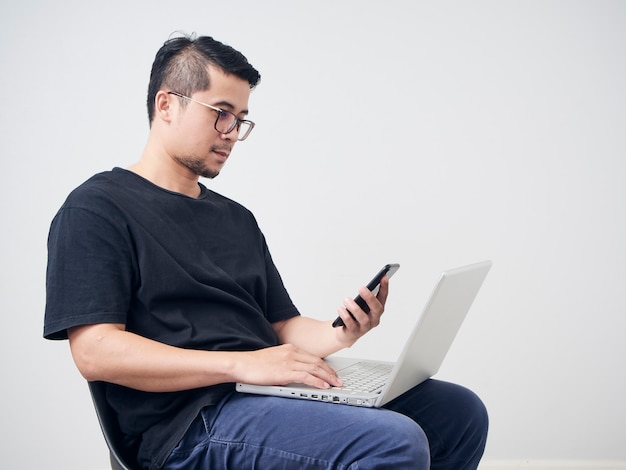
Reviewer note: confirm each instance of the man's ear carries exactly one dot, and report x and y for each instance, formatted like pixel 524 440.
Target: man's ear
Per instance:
pixel 163 106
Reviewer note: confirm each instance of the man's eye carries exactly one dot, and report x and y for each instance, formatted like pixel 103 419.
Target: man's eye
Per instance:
pixel 225 116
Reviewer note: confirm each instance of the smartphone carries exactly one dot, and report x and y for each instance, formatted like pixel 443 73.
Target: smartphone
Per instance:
pixel 373 285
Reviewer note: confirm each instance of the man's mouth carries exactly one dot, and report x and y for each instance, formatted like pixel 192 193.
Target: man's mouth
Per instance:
pixel 223 153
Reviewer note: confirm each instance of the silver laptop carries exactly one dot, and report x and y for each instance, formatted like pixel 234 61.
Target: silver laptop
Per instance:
pixel 373 383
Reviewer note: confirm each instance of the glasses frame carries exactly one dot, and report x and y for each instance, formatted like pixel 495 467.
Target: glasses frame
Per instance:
pixel 249 125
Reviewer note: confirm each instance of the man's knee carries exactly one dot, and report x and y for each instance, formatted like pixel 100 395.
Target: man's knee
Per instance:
pixel 415 444
pixel 402 444
pixel 463 407
pixel 467 435
pixel 476 414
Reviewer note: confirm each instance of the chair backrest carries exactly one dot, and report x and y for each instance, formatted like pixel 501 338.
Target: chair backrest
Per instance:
pixel 110 428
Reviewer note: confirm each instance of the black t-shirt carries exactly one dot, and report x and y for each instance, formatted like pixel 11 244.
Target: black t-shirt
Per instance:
pixel 193 273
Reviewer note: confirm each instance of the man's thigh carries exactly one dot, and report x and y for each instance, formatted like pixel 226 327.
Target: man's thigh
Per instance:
pixel 250 431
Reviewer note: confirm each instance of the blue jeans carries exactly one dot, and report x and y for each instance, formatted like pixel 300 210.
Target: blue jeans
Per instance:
pixel 436 425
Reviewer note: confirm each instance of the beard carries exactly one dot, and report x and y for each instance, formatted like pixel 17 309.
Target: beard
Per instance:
pixel 197 167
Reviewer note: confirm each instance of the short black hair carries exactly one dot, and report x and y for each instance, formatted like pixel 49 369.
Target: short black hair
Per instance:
pixel 181 64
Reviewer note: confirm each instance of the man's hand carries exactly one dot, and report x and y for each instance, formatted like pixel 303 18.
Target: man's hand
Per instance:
pixel 284 364
pixel 321 339
pixel 359 323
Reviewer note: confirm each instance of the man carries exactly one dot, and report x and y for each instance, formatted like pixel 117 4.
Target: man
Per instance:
pixel 168 294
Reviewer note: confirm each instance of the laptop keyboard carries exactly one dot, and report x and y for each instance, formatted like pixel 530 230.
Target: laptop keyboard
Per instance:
pixel 364 377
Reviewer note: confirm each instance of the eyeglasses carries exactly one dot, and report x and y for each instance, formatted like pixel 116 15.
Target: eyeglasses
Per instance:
pixel 226 121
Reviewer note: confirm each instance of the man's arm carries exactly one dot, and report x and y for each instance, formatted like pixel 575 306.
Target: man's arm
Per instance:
pixel 321 339
pixel 107 352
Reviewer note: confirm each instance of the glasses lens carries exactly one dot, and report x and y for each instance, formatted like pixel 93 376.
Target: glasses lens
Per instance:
pixel 226 122
pixel 245 127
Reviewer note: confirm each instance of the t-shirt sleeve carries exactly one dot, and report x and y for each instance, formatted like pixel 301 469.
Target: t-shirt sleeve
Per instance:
pixel 90 272
pixel 280 305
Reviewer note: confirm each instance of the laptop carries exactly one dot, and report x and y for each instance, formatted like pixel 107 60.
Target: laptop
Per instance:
pixel 371 383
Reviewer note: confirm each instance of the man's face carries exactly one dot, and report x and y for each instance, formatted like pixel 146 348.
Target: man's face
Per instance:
pixel 196 145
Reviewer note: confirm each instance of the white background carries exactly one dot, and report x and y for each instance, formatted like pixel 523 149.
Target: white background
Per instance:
pixel 433 134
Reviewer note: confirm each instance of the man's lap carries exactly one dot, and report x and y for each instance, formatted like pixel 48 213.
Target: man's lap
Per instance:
pixel 251 431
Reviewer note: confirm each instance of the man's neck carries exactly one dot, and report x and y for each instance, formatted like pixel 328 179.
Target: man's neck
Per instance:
pixel 167 174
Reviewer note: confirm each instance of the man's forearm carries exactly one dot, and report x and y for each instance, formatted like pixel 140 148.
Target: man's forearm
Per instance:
pixel 315 336
pixel 109 353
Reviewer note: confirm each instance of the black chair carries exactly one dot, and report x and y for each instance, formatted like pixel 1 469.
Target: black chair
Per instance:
pixel 120 460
